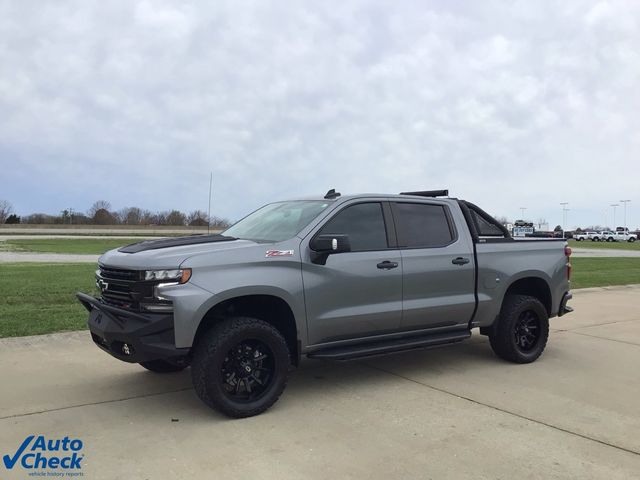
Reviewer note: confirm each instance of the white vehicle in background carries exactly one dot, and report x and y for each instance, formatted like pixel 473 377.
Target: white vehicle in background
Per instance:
pixel 609 236
pixel 625 237
pixel 606 236
pixel 584 236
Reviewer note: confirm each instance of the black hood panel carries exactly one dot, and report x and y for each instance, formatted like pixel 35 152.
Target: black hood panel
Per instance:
pixel 173 242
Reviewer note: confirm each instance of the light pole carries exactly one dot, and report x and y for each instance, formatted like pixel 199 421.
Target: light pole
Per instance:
pixel 625 213
pixel 614 205
pixel 522 209
pixel 564 216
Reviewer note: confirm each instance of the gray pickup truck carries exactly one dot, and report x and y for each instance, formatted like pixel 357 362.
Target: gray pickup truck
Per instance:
pixel 333 277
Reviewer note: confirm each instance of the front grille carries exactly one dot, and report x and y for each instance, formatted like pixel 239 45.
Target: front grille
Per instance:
pixel 122 288
pixel 120 274
pixel 127 288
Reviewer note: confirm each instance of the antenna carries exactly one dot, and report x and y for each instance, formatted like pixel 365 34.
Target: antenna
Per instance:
pixel 209 214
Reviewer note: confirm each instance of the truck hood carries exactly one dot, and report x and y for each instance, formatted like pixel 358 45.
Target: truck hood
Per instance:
pixel 169 252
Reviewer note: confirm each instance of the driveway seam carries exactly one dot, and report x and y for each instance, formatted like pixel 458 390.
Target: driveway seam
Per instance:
pixel 604 338
pixel 68 407
pixel 493 407
pixel 594 325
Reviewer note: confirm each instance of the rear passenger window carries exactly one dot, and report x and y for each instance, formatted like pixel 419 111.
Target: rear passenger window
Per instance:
pixel 363 223
pixel 422 225
pixel 485 229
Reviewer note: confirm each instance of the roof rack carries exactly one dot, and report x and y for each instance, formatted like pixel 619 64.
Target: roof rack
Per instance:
pixel 331 194
pixel 428 193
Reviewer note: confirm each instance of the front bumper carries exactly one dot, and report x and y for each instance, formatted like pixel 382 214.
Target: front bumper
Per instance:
pixel 131 336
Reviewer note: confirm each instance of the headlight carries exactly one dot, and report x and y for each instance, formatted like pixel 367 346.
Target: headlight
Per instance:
pixel 179 275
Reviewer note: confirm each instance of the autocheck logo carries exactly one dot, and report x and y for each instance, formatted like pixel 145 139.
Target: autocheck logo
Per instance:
pixel 39 453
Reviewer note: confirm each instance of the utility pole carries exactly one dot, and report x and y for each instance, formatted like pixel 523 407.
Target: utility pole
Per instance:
pixel 614 205
pixel 564 216
pixel 522 209
pixel 209 214
pixel 625 213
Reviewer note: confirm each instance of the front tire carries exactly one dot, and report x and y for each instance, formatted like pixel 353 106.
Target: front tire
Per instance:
pixel 522 329
pixel 240 366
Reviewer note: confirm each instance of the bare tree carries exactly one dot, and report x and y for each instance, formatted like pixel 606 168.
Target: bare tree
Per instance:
pixel 130 216
pixel 99 205
pixel 197 218
pixel 39 219
pixel 6 209
pixel 147 217
pixel 217 222
pixel 104 217
pixel 176 218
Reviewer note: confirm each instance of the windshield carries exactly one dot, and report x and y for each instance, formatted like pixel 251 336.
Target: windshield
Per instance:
pixel 277 221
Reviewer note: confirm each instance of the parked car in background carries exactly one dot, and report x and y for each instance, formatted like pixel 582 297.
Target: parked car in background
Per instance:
pixel 596 237
pixel 625 237
pixel 584 236
pixel 610 236
pixel 607 236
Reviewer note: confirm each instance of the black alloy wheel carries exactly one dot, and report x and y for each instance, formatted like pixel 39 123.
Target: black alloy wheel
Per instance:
pixel 248 370
pixel 527 331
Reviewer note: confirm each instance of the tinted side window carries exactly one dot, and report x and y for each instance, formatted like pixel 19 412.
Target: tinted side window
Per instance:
pixel 422 225
pixel 363 223
pixel 485 228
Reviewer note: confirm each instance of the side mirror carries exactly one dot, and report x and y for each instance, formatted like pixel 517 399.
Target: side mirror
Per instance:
pixel 324 245
pixel 336 243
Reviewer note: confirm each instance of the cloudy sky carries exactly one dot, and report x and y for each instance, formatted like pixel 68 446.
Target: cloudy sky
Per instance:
pixel 508 104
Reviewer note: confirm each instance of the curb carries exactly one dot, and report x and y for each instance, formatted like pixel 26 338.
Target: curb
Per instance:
pixel 610 288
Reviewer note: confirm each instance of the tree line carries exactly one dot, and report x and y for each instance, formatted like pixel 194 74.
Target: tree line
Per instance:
pixel 101 213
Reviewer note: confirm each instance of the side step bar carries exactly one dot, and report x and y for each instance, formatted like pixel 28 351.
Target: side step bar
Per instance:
pixel 396 345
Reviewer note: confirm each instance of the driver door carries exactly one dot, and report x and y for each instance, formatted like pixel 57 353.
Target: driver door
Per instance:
pixel 356 293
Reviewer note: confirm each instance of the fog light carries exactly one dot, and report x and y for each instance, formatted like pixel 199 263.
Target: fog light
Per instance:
pixel 125 349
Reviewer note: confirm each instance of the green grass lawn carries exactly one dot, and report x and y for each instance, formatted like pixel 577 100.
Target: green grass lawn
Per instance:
pixel 94 246
pixel 38 298
pixel 601 272
pixel 605 245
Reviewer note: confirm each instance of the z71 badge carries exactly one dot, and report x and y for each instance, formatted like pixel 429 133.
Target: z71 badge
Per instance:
pixel 279 253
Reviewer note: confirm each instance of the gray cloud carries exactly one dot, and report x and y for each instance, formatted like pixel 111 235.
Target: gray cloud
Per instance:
pixel 508 104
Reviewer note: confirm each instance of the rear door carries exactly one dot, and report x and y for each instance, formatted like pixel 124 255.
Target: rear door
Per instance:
pixel 357 293
pixel 438 267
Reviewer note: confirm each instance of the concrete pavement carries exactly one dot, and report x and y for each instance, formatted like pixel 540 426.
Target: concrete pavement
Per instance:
pixel 603 252
pixel 454 412
pixel 14 257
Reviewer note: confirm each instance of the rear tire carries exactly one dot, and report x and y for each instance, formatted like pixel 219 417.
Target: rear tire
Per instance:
pixel 162 366
pixel 632 240
pixel 522 329
pixel 240 366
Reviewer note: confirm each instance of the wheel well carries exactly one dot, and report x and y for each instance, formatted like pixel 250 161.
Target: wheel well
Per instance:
pixel 268 308
pixel 534 287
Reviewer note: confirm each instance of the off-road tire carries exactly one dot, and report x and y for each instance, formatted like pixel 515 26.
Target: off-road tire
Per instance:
pixel 162 366
pixel 503 338
pixel 212 351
